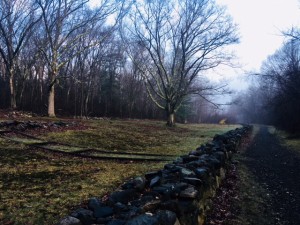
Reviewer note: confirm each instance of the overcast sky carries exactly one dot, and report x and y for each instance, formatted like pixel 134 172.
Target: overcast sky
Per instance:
pixel 260 25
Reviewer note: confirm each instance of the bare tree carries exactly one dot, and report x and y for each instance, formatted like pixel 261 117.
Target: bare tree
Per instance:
pixel 67 22
pixel 17 19
pixel 180 40
pixel 281 73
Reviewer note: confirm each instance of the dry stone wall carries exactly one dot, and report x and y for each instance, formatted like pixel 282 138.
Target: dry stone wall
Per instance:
pixel 178 194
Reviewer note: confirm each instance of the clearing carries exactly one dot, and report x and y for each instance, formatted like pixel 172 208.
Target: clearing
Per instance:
pixel 48 167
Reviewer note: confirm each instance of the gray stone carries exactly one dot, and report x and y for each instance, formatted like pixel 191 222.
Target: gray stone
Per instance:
pixel 202 173
pixel 220 156
pixel 170 167
pixel 151 206
pixel 103 212
pixel 196 153
pixel 189 158
pixel 120 207
pixel 143 220
pixel 102 221
pixel 124 196
pixel 164 190
pixel 192 180
pixel 116 222
pixel 84 215
pixel 94 203
pixel 166 217
pixel 171 205
pixel 216 163
pixel 154 181
pixel 185 172
pixel 139 183
pixel 190 192
pixel 69 220
pixel 152 174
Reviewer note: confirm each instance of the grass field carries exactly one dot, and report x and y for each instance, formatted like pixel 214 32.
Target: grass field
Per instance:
pixel 39 187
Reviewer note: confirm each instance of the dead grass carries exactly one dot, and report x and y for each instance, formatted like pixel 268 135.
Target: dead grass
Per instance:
pixel 140 136
pixel 37 187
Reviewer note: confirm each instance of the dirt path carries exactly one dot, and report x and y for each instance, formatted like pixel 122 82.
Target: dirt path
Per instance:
pixel 277 171
pixel 265 186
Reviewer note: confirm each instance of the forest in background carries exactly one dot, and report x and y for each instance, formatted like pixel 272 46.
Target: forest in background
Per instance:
pixel 274 96
pixel 137 59
pixel 144 59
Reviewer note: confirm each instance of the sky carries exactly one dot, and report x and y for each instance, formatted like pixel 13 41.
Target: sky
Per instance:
pixel 260 23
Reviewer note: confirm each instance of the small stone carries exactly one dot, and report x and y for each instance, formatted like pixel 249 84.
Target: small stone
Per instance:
pixel 163 189
pixel 124 196
pixel 185 171
pixel 139 183
pixel 116 222
pixel 69 220
pixel 189 158
pixel 166 217
pixel 103 212
pixel 151 175
pixel 170 167
pixel 151 206
pixel 119 207
pixel 171 205
pixel 190 192
pixel 193 181
pixel 84 215
pixel 202 173
pixel 94 203
pixel 216 163
pixel 143 220
pixel 196 153
pixel 220 156
pixel 154 181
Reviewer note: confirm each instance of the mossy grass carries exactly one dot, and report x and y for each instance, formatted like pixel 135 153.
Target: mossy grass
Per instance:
pixel 40 187
pixel 291 141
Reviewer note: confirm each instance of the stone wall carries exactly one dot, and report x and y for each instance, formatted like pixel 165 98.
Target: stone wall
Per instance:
pixel 178 194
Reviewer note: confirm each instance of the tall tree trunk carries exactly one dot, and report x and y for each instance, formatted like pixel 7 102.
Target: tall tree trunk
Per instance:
pixel 51 107
pixel 170 115
pixel 13 103
pixel 171 119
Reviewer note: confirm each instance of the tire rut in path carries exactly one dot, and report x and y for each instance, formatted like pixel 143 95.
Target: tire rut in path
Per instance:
pixel 277 170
